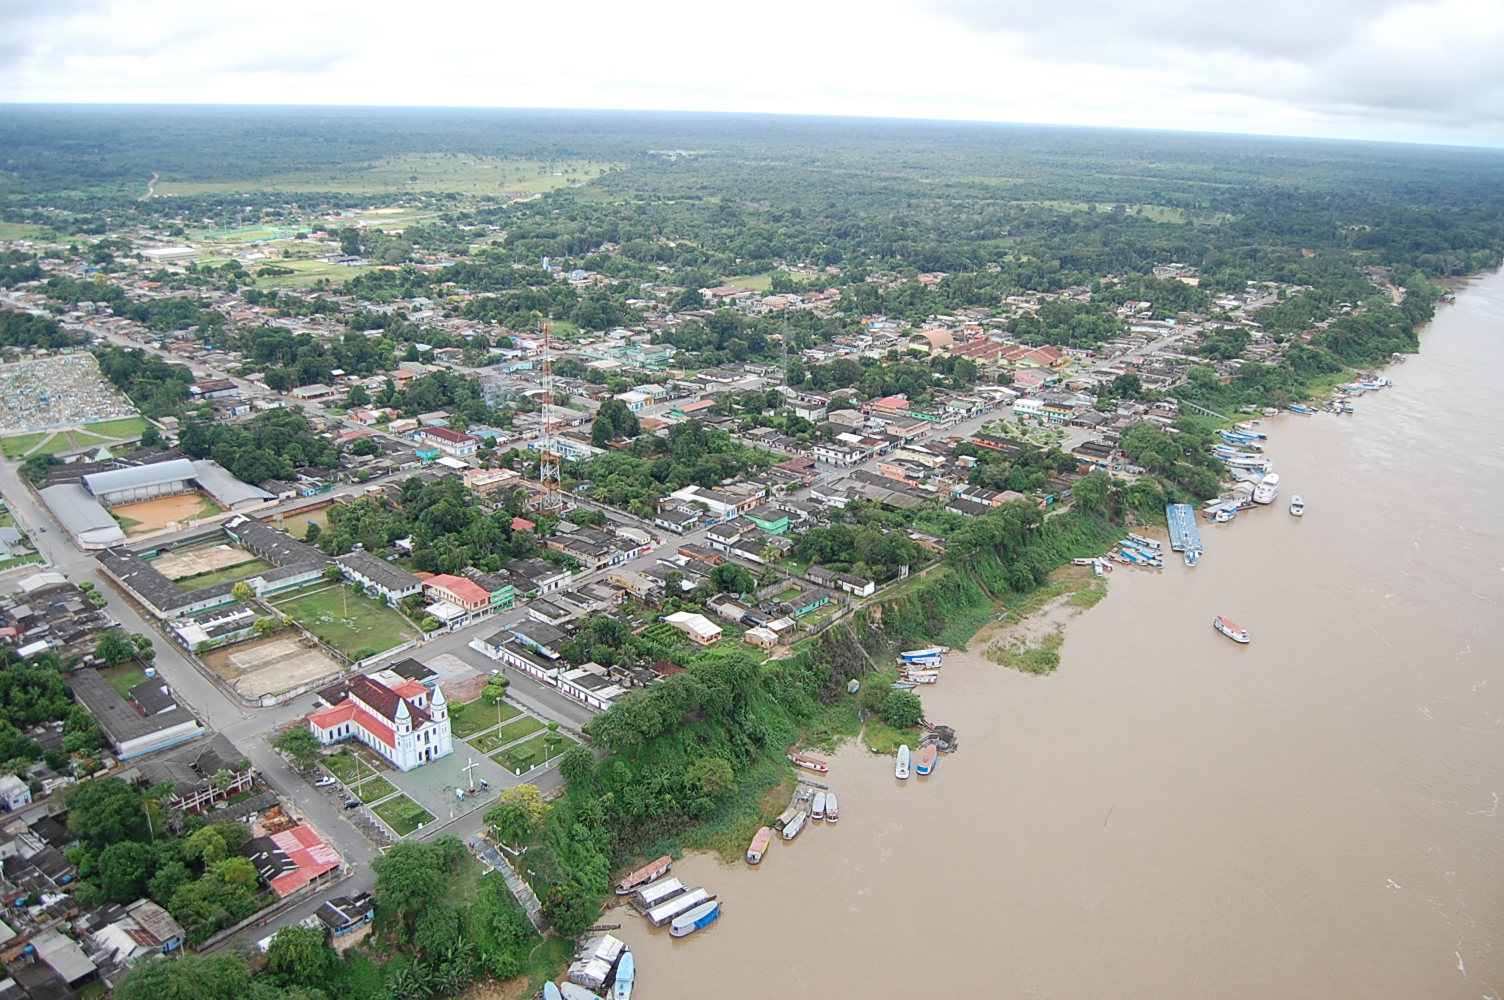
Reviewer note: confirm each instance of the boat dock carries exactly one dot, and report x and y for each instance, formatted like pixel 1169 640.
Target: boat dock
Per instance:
pixel 1185 536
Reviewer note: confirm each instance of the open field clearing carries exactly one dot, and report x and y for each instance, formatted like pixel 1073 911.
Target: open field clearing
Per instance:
pixel 447 172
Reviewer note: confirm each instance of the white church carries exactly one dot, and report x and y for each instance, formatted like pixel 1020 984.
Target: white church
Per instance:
pixel 408 724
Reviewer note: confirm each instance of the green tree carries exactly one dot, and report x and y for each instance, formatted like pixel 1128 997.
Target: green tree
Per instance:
pixel 577 764
pixel 1093 491
pixel 188 977
pixel 243 592
pixel 365 446
pixel 124 869
pixel 530 798
pixel 300 744
pixel 301 956
pixel 512 823
pixel 114 648
pixel 903 710
pixel 106 811
pixel 710 776
pixel 731 578
pixel 412 875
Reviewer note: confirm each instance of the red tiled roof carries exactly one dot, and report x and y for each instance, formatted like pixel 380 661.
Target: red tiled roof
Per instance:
pixel 308 851
pixel 445 434
pixel 465 590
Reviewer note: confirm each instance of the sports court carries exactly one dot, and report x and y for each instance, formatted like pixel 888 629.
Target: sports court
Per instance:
pixel 192 562
pixel 270 667
pixel 154 515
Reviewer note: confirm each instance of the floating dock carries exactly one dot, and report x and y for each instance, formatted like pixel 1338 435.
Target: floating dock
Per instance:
pixel 1185 536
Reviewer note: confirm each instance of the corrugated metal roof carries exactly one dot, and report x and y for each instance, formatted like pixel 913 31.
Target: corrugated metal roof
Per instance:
pixel 141 475
pixel 81 514
pixel 224 487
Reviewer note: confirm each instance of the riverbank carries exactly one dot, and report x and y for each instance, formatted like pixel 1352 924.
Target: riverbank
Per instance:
pixel 1171 814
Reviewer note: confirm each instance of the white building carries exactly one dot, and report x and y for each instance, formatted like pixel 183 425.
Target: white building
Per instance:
pixel 408 725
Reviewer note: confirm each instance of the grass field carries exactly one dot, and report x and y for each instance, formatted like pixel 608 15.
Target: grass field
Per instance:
pixel 310 272
pixel 756 282
pixel 514 730
pixel 471 717
pixel 349 768
pixel 237 572
pixel 402 814
pixel 373 788
pixel 356 626
pixel 447 172
pixel 539 750
pixel 18 445
pixel 124 677
pixel 22 231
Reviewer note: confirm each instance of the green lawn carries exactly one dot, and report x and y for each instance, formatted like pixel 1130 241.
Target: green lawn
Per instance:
pixel 349 768
pixel 539 750
pixel 373 788
pixel 402 814
pixel 6 564
pixel 467 719
pixel 17 445
pixel 355 625
pixel 224 574
pixel 124 677
pixel 756 282
pixel 516 730
pixel 433 172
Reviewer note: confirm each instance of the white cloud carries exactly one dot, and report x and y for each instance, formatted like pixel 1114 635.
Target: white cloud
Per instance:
pixel 1404 69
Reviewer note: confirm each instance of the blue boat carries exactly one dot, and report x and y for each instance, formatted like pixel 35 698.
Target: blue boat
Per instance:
pixel 915 655
pixel 700 917
pixel 626 977
pixel 551 991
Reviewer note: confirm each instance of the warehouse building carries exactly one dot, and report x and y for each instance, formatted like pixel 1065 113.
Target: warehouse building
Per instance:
pixel 142 482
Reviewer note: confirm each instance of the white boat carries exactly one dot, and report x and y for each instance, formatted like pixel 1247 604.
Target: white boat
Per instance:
pixel 922 676
pixel 570 991
pixel 700 916
pixel 1267 491
pixel 626 977
pixel 901 769
pixel 663 913
pixel 551 992
pixel 1297 506
pixel 818 812
pixel 792 827
pixel 1231 629
pixel 832 808
pixel 658 892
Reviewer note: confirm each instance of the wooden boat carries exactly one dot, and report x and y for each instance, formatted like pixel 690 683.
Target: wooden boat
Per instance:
pixel 809 763
pixel 1231 629
pixel 759 845
pixel 922 676
pixel 626 977
pixel 818 812
pixel 644 875
pixel 700 917
pixel 572 992
pixel 832 808
pixel 792 827
pixel 924 761
pixel 901 768
pixel 903 685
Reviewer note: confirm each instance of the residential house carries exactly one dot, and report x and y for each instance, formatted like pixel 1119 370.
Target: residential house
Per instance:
pixel 450 442
pixel 392 582
pixel 699 628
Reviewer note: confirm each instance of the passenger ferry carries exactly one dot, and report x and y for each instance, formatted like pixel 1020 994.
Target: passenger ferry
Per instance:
pixel 644 875
pixel 1231 629
pixel 809 763
pixel 1267 490
pixel 759 845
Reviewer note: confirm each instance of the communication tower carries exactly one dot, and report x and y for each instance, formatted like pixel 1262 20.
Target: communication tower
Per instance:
pixel 551 500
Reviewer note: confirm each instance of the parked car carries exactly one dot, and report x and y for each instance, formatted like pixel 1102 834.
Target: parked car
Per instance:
pixel 351 803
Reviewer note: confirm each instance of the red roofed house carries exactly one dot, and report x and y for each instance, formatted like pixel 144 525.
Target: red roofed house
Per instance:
pixel 458 591
pixel 407 725
pixel 448 441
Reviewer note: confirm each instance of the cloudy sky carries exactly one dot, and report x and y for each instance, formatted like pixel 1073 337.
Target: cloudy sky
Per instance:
pixel 1409 70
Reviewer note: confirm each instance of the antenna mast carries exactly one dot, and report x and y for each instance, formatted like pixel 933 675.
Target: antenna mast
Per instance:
pixel 549 477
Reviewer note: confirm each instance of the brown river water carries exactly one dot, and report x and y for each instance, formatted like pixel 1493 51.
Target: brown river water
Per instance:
pixel 1172 815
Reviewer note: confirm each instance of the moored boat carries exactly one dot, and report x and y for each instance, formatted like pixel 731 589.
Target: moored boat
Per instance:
pixel 700 917
pixel 809 763
pixel 570 991
pixel 922 676
pixel 792 827
pixel 759 846
pixel 642 876
pixel 901 768
pixel 929 653
pixel 551 991
pixel 660 915
pixel 1267 490
pixel 659 892
pixel 832 808
pixel 1297 506
pixel 817 812
pixel 1231 629
pixel 924 761
pixel 626 977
